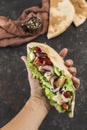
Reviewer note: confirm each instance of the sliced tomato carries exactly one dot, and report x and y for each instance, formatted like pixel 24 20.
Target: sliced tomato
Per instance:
pixel 67 94
pixel 38 61
pixel 37 50
pixel 47 61
pixel 65 106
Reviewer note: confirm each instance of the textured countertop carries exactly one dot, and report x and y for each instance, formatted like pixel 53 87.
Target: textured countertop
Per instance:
pixel 14 87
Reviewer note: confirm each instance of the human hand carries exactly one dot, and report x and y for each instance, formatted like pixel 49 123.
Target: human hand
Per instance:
pixel 37 94
pixel 36 91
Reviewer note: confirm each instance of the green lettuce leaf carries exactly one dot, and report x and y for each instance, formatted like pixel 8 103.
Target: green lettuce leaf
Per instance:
pixel 50 96
pixel 69 85
pixel 37 74
pixel 49 93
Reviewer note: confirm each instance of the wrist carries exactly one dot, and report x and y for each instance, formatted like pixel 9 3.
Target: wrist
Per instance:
pixel 37 109
pixel 39 105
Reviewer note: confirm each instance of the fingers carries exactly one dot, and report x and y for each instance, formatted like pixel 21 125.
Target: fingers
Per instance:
pixel 76 82
pixel 69 63
pixel 63 52
pixel 72 70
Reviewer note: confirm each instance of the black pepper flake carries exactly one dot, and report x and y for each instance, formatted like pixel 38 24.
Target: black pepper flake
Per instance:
pixel 32 25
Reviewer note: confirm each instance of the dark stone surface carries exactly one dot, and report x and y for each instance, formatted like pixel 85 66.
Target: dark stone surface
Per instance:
pixel 14 87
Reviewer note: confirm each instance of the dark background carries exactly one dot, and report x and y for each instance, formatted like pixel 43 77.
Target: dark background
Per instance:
pixel 14 87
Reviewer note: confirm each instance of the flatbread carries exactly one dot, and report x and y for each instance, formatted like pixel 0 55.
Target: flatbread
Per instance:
pixel 60 18
pixel 53 55
pixel 57 61
pixel 80 11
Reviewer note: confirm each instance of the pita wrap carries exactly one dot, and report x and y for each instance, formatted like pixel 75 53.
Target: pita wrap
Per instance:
pixel 60 18
pixel 80 11
pixel 43 51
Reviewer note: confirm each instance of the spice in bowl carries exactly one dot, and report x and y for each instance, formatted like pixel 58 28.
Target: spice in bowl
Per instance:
pixel 32 25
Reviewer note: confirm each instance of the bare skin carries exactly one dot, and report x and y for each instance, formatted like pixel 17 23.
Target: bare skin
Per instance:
pixel 37 107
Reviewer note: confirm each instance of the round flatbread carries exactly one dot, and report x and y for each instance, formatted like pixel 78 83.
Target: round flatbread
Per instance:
pixel 60 18
pixel 80 11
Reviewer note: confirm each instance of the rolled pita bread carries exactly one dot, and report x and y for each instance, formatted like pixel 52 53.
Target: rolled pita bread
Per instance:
pixel 80 11
pixel 53 55
pixel 57 61
pixel 60 18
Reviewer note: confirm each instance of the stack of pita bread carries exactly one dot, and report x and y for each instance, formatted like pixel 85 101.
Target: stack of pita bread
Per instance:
pixel 63 13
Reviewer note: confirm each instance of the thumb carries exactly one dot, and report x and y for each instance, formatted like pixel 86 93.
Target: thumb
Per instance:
pixel 24 59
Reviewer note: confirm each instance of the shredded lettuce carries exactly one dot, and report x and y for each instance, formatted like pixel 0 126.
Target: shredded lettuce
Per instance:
pixel 50 96
pixel 58 72
pixel 69 85
pixel 49 93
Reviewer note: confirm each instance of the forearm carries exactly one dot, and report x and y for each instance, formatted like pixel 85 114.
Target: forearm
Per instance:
pixel 29 118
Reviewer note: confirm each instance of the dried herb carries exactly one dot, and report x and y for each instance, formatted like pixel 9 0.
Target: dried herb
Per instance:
pixel 32 25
